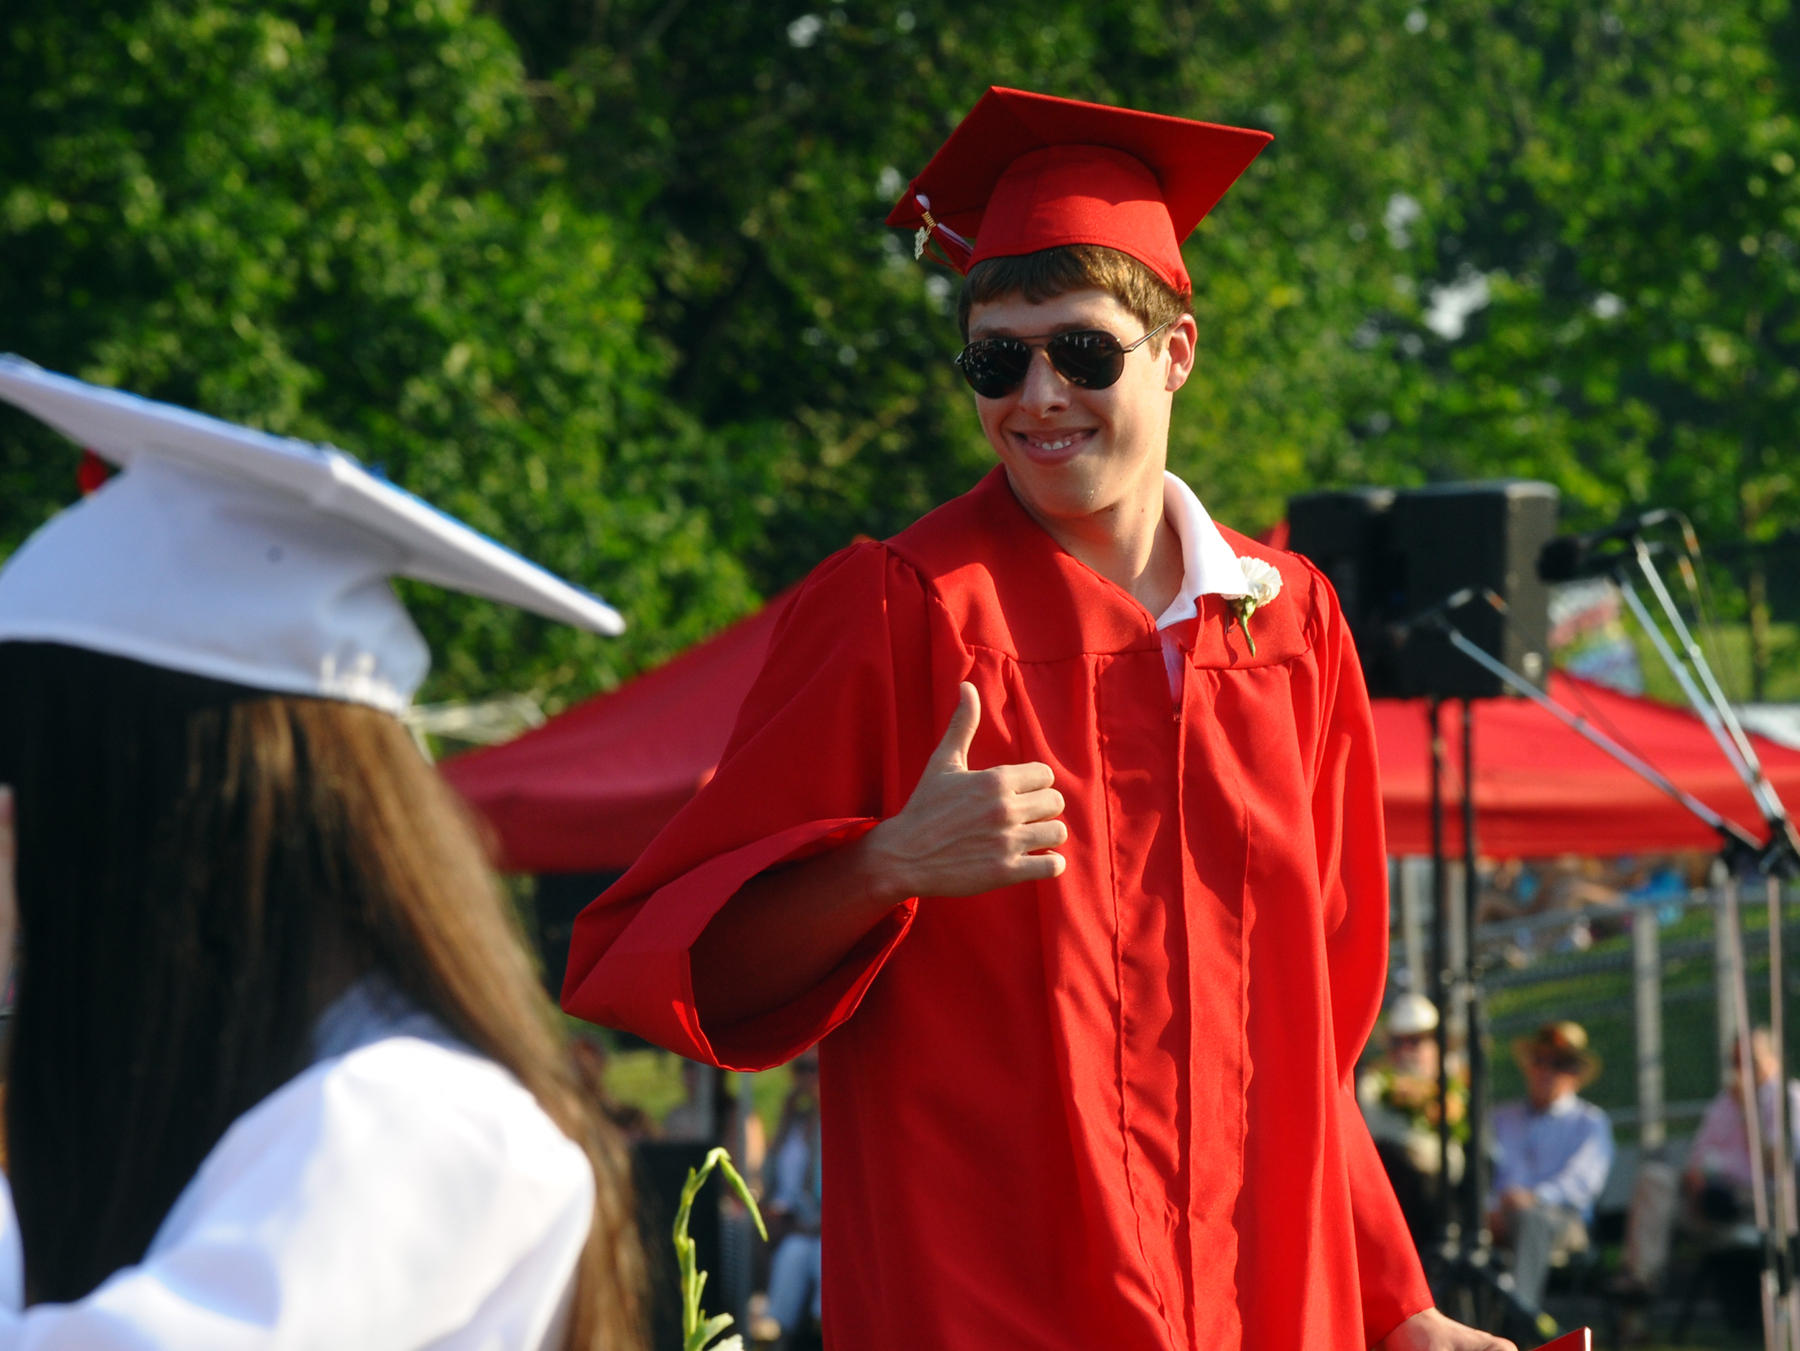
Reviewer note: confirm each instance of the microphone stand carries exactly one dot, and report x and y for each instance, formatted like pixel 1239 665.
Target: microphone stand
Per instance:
pixel 1715 711
pixel 1781 858
pixel 1463 1241
pixel 1739 844
pixel 1743 855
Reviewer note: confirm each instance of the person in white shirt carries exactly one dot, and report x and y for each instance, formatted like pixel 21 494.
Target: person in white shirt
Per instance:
pixel 281 1074
pixel 1553 1152
pixel 1717 1180
pixel 1718 1176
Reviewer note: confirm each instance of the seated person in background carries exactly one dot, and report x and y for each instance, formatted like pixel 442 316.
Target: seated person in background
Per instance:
pixel 587 1052
pixel 694 1118
pixel 1511 890
pixel 1399 1098
pixel 1574 883
pixel 1553 1152
pixel 791 1181
pixel 1717 1179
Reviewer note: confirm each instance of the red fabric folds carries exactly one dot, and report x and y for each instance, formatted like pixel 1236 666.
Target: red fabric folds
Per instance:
pixel 1109 1110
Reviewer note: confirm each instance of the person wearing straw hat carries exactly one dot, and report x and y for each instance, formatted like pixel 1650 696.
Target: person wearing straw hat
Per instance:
pixel 1055 821
pixel 1553 1152
pixel 281 1073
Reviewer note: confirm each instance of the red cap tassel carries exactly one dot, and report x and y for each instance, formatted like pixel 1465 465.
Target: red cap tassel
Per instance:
pixel 91 472
pixel 952 253
pixel 938 239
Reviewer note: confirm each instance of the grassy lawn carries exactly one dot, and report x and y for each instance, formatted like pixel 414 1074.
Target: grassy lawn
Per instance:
pixel 651 1079
pixel 1602 1002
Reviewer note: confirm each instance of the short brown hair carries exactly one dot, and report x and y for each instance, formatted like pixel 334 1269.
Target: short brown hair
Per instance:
pixel 1055 272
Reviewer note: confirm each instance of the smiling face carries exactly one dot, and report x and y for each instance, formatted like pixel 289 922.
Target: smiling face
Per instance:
pixel 1077 455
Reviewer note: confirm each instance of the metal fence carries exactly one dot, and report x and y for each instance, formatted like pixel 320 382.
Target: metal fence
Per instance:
pixel 1643 977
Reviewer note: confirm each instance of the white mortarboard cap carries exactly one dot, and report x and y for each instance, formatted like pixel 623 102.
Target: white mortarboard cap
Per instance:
pixel 251 558
pixel 1411 1015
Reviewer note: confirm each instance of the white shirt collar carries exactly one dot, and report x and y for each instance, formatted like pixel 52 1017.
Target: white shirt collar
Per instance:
pixel 1209 567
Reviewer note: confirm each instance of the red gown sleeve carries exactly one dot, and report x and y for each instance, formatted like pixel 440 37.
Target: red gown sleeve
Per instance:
pixel 820 753
pixel 1347 822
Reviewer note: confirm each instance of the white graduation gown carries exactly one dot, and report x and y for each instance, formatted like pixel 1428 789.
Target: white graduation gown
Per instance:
pixel 400 1193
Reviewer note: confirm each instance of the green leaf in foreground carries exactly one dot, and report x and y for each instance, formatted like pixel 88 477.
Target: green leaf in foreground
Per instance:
pixel 697 1330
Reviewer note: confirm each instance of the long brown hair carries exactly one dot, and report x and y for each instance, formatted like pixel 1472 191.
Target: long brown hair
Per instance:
pixel 196 862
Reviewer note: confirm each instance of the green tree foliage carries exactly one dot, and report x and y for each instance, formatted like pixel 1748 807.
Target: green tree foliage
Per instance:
pixel 1540 238
pixel 339 221
pixel 1624 181
pixel 766 143
pixel 610 277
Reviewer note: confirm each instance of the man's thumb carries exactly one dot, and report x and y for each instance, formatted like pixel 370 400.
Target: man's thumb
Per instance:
pixel 953 750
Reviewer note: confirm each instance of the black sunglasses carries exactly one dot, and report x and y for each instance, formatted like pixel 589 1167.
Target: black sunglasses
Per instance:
pixel 1088 357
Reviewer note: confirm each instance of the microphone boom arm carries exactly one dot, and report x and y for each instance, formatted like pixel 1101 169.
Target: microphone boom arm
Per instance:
pixel 1703 706
pixel 1737 839
pixel 1724 720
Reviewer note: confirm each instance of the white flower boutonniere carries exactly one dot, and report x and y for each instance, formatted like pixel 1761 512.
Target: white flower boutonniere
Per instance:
pixel 1264 583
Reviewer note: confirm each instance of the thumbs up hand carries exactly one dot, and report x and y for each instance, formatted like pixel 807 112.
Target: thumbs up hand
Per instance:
pixel 967 831
pixel 961 833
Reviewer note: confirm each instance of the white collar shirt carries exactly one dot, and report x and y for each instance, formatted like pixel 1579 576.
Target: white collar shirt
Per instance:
pixel 1209 567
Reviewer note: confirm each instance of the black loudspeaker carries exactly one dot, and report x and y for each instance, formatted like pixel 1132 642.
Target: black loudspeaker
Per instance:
pixel 1482 535
pixel 1403 552
pixel 1346 536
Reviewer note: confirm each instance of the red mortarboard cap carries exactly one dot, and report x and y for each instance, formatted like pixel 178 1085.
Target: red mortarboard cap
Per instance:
pixel 1024 172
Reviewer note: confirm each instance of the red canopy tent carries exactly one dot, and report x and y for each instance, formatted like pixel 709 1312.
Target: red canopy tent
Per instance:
pixel 1542 789
pixel 589 789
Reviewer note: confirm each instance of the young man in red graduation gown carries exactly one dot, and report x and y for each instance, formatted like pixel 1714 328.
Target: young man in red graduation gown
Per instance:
pixel 1056 818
